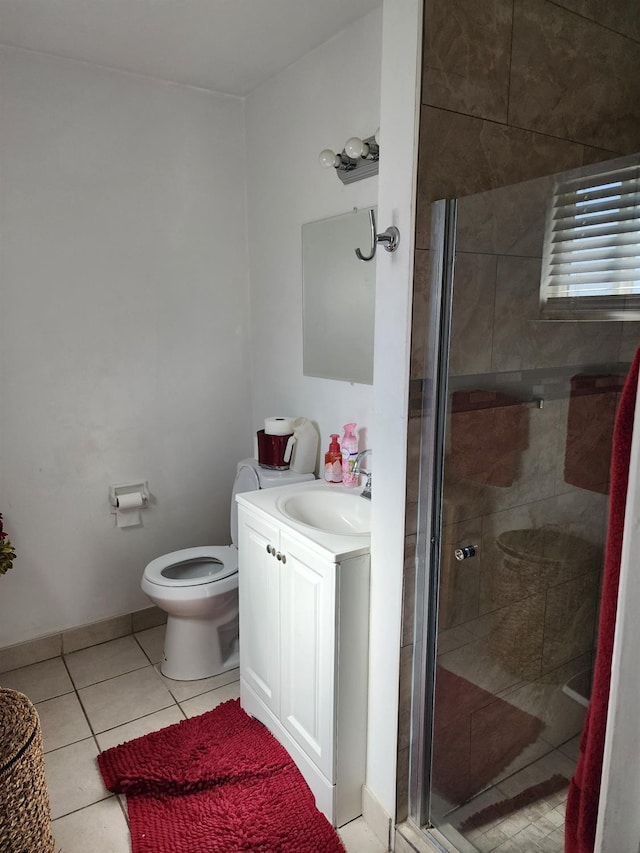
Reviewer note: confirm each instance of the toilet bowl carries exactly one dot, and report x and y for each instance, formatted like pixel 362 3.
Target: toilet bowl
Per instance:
pixel 198 589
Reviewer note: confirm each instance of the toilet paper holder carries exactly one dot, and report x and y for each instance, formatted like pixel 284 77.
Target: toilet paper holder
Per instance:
pixel 130 490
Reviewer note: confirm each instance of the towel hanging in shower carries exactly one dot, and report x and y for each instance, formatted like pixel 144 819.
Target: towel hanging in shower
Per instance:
pixel 592 411
pixel 584 791
pixel 489 432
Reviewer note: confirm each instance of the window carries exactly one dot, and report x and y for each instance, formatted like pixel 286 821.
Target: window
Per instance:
pixel 591 261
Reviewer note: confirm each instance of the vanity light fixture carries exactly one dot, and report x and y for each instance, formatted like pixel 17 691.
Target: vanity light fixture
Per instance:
pixel 357 160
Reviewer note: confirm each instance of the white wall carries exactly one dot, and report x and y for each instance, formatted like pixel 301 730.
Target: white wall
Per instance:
pixel 399 117
pixel 123 330
pixel 331 94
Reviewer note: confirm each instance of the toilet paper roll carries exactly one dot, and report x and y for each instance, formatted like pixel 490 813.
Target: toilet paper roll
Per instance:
pixel 277 426
pixel 134 500
pixel 128 509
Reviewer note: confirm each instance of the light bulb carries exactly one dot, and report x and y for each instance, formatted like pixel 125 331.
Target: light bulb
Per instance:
pixel 328 159
pixel 355 147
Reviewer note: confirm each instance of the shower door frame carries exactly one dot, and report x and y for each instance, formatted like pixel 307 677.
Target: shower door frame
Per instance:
pixel 430 489
pixel 618 825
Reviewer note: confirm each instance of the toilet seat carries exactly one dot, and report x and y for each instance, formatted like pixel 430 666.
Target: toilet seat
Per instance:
pixel 194 567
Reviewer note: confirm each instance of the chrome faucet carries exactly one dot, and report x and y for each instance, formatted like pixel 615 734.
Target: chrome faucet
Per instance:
pixel 357 469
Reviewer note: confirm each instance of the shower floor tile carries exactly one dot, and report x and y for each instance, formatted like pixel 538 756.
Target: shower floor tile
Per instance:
pixel 537 827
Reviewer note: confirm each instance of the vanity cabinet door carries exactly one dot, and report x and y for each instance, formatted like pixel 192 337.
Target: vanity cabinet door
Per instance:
pixel 307 650
pixel 258 580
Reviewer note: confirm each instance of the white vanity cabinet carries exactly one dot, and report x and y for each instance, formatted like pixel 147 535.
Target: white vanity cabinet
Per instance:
pixel 304 649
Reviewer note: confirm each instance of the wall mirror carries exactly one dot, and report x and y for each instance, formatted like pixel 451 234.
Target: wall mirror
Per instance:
pixel 338 298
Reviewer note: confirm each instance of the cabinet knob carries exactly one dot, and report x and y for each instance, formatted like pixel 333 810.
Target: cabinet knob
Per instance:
pixel 278 556
pixel 268 549
pixel 284 558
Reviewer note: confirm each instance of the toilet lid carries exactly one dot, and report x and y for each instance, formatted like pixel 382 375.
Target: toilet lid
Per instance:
pixel 192 566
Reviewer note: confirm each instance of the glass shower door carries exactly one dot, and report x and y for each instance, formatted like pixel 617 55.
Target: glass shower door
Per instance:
pixel 514 511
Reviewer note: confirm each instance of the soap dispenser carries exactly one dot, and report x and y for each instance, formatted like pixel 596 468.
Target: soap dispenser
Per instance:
pixel 333 461
pixel 349 456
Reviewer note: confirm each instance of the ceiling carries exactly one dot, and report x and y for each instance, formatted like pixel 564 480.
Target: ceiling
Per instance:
pixel 229 46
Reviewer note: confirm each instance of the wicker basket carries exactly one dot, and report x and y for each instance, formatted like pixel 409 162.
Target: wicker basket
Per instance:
pixel 533 561
pixel 25 819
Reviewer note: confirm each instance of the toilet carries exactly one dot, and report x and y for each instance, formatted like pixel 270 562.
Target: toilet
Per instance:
pixel 198 589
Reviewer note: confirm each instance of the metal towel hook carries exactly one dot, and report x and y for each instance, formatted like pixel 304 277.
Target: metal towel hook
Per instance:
pixel 390 238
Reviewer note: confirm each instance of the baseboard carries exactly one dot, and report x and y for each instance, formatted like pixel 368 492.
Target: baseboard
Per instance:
pixel 73 639
pixel 377 818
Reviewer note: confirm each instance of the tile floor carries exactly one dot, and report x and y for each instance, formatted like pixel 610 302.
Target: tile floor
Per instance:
pixel 535 828
pixel 538 827
pixel 95 698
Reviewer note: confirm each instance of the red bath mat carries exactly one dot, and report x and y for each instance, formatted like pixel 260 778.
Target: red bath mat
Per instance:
pixel 505 808
pixel 475 736
pixel 217 783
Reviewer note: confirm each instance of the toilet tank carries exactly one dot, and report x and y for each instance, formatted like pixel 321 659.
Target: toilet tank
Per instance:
pixel 250 476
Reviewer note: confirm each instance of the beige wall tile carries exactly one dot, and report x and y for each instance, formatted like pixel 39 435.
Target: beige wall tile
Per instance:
pixel 422 290
pixel 454 638
pixel 459 580
pixel 505 221
pixel 597 155
pixel 473 314
pixel 467 56
pixel 150 617
pixel 413 474
pixel 460 155
pixel 96 632
pixel 521 341
pixel 476 661
pixel 573 79
pixel 630 341
pixel 23 654
pixel 402 786
pixel 561 716
pixel 619 15
pixel 404 709
pixel 409 590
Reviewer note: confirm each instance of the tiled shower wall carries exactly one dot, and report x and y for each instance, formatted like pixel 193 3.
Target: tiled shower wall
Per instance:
pixel 511 90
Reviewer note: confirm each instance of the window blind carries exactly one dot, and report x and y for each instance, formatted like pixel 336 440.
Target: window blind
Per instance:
pixel 591 261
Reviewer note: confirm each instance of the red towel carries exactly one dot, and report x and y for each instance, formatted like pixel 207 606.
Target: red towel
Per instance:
pixel 584 791
pixel 489 431
pixel 592 411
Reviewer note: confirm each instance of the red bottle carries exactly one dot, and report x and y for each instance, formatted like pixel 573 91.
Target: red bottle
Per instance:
pixel 333 461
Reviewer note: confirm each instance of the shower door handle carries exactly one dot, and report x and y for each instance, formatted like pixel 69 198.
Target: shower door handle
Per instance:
pixel 465 552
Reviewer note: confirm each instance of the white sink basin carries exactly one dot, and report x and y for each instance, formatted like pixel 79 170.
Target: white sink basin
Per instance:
pixel 339 512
